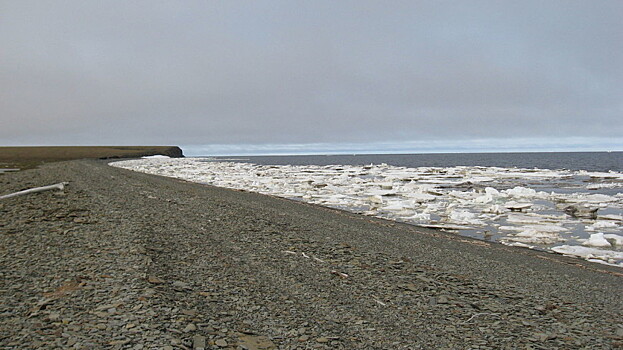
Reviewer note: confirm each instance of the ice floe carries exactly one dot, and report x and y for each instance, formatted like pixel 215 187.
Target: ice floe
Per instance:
pixel 157 156
pixel 592 254
pixel 615 240
pixel 603 225
pixel 535 208
pixel 597 240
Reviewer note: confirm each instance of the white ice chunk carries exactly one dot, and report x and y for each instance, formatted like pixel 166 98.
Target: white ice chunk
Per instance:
pixel 494 209
pixel 606 185
pixel 589 253
pixel 597 240
pixel 523 219
pixel 603 175
pixel 376 199
pixel 492 191
pixel 610 217
pixel 615 240
pixel 602 224
pixel 421 197
pixel 484 199
pixel 516 206
pixel 464 217
pixel 539 228
pixel 157 156
pixel 386 193
pixel 419 217
pixel 600 198
pixel 589 199
pixel 517 244
pixel 535 236
pixel 478 179
pixel 463 195
pixel 395 206
pixel 520 192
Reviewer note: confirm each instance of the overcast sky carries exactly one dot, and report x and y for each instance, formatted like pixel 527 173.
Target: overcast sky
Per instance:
pixel 259 76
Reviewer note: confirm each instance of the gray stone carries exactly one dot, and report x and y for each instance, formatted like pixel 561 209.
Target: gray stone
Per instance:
pixel 442 299
pixel 190 328
pixel 199 342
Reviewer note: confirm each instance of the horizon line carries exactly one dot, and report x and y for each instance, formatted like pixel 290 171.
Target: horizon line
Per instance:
pixel 380 152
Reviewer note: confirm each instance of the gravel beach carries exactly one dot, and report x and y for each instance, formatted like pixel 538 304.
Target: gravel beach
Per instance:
pixel 125 260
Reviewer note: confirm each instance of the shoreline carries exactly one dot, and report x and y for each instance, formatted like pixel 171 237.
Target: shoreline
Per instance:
pixel 183 262
pixel 488 212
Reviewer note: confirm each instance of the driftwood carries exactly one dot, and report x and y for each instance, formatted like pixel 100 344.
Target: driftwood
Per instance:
pixel 58 186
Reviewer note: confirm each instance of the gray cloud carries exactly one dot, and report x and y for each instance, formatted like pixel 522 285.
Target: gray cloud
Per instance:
pixel 271 72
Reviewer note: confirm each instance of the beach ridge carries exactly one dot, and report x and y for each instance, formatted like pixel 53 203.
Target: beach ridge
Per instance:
pixel 123 258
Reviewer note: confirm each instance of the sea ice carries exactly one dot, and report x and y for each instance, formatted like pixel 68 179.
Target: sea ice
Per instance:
pixel 613 217
pixel 464 217
pixel 609 256
pixel 535 237
pixel 395 206
pixel 516 218
pixel 515 206
pixel 518 244
pixel 536 228
pixel 601 225
pixel 157 156
pixel 588 199
pixel 376 199
pixel 615 240
pixel 421 197
pixel 418 217
pixel 603 175
pixel 597 240
pixel 494 209
pixel 521 192
pixel 449 198
pixel 606 185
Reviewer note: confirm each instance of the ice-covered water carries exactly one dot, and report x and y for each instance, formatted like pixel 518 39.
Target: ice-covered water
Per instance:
pixel 574 212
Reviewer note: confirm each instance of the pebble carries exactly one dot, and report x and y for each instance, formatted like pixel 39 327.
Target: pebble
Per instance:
pixel 154 280
pixel 221 343
pixel 190 328
pixel 199 342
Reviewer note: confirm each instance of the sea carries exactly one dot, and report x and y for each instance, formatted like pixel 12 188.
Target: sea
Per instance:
pixel 590 161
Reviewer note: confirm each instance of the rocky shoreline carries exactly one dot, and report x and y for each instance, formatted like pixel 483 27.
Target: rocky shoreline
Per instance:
pixel 126 260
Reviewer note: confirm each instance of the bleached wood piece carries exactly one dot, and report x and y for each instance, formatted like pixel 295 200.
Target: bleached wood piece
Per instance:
pixel 58 186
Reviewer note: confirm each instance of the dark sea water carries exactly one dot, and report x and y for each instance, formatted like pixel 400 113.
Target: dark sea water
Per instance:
pixel 591 161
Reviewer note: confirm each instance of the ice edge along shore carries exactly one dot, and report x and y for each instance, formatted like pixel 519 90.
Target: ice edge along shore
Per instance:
pixel 490 201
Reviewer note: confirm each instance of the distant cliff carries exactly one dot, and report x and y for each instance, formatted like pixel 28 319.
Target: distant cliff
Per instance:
pixel 56 153
pixel 141 151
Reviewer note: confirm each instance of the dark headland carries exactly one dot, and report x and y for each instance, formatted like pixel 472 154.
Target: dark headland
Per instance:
pixel 125 260
pixel 27 157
